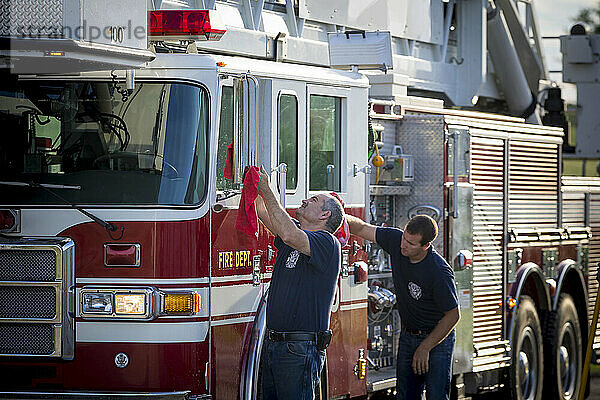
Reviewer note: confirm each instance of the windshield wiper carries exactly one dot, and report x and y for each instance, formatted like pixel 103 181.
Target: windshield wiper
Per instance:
pixel 48 186
pixel 42 185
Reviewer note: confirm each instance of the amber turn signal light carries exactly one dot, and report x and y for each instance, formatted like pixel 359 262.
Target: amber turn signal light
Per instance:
pixel 180 303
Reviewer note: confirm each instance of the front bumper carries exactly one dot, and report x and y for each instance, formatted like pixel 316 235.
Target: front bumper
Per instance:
pixel 183 395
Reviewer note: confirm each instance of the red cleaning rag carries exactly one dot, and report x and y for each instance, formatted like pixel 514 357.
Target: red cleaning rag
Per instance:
pixel 228 170
pixel 247 220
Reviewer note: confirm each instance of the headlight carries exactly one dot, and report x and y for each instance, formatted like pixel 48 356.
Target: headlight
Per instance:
pixel 97 303
pixel 117 303
pixel 130 304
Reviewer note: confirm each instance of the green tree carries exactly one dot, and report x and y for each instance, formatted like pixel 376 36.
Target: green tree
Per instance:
pixel 590 16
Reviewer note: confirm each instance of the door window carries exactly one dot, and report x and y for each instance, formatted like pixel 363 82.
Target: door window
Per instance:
pixel 325 143
pixel 287 125
pixel 225 136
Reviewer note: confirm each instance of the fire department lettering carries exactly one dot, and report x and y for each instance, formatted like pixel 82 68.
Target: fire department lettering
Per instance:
pixel 231 260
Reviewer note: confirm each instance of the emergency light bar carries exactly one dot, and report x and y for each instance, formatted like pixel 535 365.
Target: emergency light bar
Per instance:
pixel 184 25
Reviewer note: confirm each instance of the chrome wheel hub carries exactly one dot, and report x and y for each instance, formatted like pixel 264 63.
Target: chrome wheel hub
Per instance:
pixel 567 362
pixel 528 369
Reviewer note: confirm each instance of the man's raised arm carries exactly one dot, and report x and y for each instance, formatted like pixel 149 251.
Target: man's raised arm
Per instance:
pixel 263 214
pixel 281 223
pixel 360 228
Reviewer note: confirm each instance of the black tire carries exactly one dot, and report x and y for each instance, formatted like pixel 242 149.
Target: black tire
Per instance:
pixel 564 351
pixel 527 361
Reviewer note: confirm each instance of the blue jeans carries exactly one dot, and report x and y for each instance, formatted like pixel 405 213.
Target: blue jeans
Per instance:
pixel 436 382
pixel 290 370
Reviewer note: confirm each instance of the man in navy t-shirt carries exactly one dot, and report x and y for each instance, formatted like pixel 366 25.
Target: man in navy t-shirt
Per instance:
pixel 301 292
pixel 427 304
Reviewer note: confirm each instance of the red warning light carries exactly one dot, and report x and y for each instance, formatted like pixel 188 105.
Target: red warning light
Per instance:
pixel 8 221
pixel 185 25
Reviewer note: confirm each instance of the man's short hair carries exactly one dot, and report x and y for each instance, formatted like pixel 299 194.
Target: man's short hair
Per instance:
pixel 337 214
pixel 422 225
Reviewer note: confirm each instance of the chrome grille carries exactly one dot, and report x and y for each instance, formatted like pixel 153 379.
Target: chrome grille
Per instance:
pixel 34 339
pixel 28 265
pixel 533 185
pixel 487 169
pixel 37 275
pixel 18 302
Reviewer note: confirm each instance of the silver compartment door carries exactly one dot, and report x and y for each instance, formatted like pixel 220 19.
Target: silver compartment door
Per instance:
pixel 461 240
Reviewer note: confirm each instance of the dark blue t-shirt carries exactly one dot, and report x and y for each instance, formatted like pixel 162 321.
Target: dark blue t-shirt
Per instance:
pixel 302 287
pixel 424 290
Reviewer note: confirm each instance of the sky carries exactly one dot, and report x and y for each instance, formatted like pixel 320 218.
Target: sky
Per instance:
pixel 554 18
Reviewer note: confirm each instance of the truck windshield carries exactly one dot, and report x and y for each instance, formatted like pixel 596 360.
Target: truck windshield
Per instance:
pixel 147 149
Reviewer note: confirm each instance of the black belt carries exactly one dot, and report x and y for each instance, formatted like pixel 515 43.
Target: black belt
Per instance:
pixel 290 336
pixel 417 332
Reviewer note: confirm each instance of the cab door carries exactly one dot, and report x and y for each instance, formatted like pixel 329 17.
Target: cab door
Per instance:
pixel 284 151
pixel 236 281
pixel 335 142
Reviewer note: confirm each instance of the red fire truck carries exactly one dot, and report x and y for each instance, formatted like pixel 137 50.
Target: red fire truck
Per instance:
pixel 122 273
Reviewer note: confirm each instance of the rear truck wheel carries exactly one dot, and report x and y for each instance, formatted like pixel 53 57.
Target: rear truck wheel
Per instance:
pixel 527 361
pixel 564 351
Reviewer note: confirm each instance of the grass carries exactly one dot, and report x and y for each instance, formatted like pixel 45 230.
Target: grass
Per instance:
pixel 594 370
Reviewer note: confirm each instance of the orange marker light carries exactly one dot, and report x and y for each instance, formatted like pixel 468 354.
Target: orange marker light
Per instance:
pixel 181 303
pixel 54 53
pixel 511 303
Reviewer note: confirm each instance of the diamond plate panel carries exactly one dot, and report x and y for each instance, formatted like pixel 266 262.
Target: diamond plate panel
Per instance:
pixel 423 137
pixel 31 18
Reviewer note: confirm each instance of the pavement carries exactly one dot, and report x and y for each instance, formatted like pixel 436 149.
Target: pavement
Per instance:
pixel 594 386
